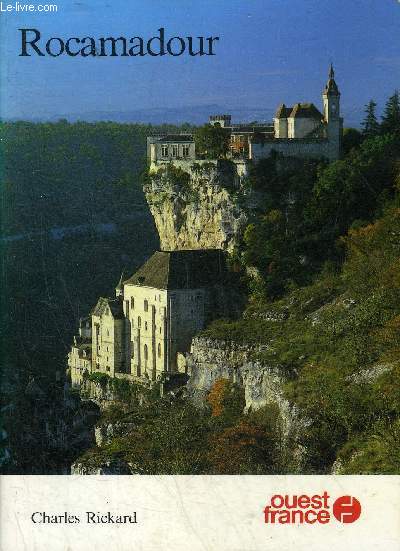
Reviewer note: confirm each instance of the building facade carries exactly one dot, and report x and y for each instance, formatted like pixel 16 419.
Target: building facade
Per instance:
pixel 156 312
pixel 297 131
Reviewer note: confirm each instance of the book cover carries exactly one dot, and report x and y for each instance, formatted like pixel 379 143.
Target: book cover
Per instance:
pixel 200 322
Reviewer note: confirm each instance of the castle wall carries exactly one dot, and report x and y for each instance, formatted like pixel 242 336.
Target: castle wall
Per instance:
pixel 299 127
pixel 318 148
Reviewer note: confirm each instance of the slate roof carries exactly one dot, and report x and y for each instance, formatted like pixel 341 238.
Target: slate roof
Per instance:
pixel 306 111
pixel 114 304
pixel 283 112
pixel 331 87
pixel 300 110
pixel 181 270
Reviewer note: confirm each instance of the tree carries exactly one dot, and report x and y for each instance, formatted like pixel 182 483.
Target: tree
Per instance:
pixel 212 141
pixel 391 116
pixel 351 138
pixel 370 125
pixel 242 449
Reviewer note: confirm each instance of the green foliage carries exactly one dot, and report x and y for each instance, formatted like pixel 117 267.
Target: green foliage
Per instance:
pixel 212 142
pixel 338 344
pixel 391 116
pixel 308 206
pixel 101 378
pixel 226 401
pixel 175 175
pixel 377 452
pixel 352 138
pixel 370 125
pixel 180 439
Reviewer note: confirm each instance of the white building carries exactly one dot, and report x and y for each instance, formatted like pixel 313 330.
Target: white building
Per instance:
pixel 154 316
pixel 297 131
pixel 303 131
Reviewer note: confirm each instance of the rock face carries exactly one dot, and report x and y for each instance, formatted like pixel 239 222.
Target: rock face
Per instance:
pixel 211 360
pixel 200 211
pixel 109 467
pixel 104 433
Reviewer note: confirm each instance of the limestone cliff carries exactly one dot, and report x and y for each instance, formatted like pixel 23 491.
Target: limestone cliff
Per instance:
pixel 197 206
pixel 211 359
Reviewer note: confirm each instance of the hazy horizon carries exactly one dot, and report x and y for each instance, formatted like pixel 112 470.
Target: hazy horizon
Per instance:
pixel 270 51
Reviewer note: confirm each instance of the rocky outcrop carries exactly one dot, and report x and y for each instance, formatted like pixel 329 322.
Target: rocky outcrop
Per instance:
pixel 108 467
pixel 113 392
pixel 105 432
pixel 200 210
pixel 210 360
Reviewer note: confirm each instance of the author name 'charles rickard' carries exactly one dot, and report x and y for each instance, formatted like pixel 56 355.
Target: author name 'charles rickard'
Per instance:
pixel 89 517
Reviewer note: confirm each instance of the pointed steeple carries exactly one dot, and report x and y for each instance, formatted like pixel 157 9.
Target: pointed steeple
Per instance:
pixel 119 289
pixel 331 87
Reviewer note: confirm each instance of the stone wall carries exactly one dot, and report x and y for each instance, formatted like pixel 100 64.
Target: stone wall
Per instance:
pixel 315 148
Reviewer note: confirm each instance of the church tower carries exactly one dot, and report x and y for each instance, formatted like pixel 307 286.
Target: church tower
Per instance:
pixel 331 98
pixel 332 118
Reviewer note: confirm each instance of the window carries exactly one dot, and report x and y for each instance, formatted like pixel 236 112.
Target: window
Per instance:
pixel 145 325
pixel 160 330
pixel 164 150
pixel 145 352
pixel 108 369
pixel 139 322
pixel 132 303
pixel 146 305
pixel 185 150
pixel 108 334
pixel 159 350
pixel 175 150
pixel 127 308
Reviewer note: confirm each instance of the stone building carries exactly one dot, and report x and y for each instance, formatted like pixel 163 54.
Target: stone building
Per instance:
pixel 139 334
pixel 80 355
pixel 303 131
pixel 108 327
pixel 297 131
pixel 171 147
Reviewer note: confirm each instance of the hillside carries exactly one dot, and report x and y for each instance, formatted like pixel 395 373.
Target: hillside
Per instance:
pixel 306 380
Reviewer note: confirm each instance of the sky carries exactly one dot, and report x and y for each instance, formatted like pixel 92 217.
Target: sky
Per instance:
pixel 269 52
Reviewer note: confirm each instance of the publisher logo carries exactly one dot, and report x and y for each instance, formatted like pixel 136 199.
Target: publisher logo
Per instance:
pixel 311 509
pixel 346 509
